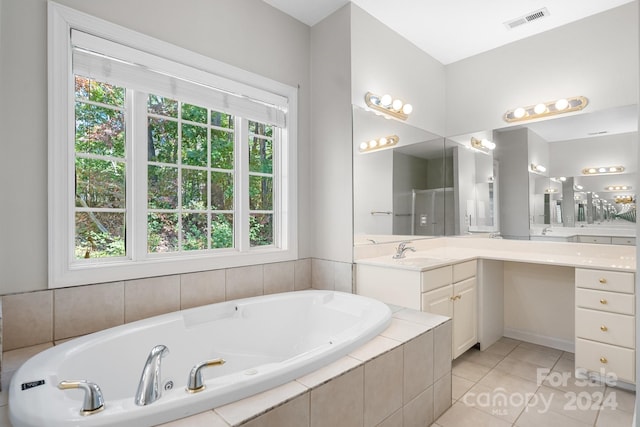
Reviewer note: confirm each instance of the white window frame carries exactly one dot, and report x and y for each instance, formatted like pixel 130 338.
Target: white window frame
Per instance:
pixel 63 271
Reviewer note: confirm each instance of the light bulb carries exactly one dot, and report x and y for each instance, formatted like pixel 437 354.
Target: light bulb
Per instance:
pixel 488 144
pixel 373 143
pixel 407 109
pixel 364 146
pixel 386 100
pixel 613 169
pixel 382 141
pixel 618 188
pixel 540 108
pixel 602 170
pixel 563 178
pixel 396 105
pixel 624 187
pixel 519 113
pixel 592 170
pixel 562 104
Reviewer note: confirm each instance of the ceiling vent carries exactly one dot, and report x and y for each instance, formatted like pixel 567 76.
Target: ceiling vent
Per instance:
pixel 525 19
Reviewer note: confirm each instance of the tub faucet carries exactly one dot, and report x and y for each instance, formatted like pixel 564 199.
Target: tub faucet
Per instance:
pixel 401 249
pixel 149 387
pixel 93 400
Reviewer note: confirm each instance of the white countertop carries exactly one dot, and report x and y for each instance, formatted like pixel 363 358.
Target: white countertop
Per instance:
pixel 454 250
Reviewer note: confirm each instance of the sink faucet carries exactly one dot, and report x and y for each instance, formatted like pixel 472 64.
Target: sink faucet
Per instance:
pixel 149 389
pixel 401 249
pixel 545 230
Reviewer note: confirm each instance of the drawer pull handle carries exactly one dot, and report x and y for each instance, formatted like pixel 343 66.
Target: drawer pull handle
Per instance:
pixel 455 297
pixel 603 301
pixel 604 328
pixel 603 360
pixel 602 280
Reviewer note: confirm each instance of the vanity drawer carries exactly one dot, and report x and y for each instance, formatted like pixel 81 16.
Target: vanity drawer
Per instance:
pixel 606 301
pixel 464 270
pixel 594 239
pixel 611 328
pixel 616 281
pixel 436 278
pixel 595 356
pixel 623 241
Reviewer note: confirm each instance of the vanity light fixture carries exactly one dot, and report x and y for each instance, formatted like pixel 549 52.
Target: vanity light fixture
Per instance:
pixel 565 105
pixel 483 145
pixel 386 104
pixel 624 199
pixel 559 179
pixel 618 188
pixel 602 170
pixel 578 187
pixel 551 190
pixel 378 144
pixel 537 168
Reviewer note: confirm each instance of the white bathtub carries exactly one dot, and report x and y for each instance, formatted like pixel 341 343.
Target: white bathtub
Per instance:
pixel 266 341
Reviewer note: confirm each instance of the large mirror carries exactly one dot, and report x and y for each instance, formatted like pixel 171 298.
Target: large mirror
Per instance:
pixel 421 185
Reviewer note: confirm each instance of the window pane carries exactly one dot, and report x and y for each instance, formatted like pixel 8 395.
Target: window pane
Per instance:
pixel 261 129
pixel 221 191
pixel 162 106
pixel 162 232
pixel 221 149
pixel 222 230
pixel 194 231
pixel 194 145
pixel 260 155
pixel 100 184
pixel 99 234
pixel 163 141
pixel 194 113
pixel 261 229
pixel 99 130
pixel 221 120
pixel 260 193
pixel 104 93
pixel 162 185
pixel 194 189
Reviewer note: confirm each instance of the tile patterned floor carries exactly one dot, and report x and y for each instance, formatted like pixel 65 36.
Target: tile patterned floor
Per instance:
pixel 519 384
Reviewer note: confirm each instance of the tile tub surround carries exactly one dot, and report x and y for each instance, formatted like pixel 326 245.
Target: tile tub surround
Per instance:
pixel 34 318
pixel 401 377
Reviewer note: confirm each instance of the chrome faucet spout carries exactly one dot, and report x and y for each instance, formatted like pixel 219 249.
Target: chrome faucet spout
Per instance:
pixel 149 387
pixel 401 249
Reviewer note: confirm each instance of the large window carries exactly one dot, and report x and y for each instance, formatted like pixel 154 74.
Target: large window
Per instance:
pixel 159 164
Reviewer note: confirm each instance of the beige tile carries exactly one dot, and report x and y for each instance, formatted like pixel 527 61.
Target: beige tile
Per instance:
pixel 374 348
pixel 328 372
pixel 541 358
pixel 501 348
pixel 202 288
pixel 609 417
pixel 619 399
pixel 566 381
pixel 204 419
pixel 442 337
pixel 246 409
pixel 343 277
pixel 548 399
pixel 459 386
pixel 418 372
pixel 302 274
pixel 522 369
pixel 441 395
pixel 419 411
pixel 484 358
pixel 394 420
pixel 150 297
pixel 294 413
pixel 383 377
pixel 460 415
pixel 27 319
pixel 322 275
pixel 541 348
pixel 505 401
pixel 401 330
pixel 509 340
pixel 567 355
pixel 279 277
pixel 428 319
pixel 4 387
pixel 469 370
pixel 564 365
pixel 85 309
pixel 13 359
pixel 4 416
pixel 339 403
pixel 244 282
pixel 548 419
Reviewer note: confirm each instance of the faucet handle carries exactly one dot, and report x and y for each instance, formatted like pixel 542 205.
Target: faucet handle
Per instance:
pixel 93 400
pixel 404 244
pixel 195 382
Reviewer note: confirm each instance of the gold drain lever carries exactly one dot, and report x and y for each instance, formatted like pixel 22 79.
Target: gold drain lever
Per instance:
pixel 195 382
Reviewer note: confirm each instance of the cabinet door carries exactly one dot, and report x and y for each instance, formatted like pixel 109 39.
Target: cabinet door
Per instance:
pixel 465 331
pixel 438 301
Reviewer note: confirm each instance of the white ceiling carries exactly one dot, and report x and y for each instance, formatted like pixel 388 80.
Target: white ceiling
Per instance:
pixel 452 30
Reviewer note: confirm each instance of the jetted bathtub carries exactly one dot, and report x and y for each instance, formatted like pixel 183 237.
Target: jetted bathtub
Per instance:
pixel 265 341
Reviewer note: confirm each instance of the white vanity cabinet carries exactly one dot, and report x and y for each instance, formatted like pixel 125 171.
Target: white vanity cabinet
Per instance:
pixel 449 291
pixel 605 322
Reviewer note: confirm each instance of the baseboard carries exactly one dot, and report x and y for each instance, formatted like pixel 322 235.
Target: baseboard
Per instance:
pixel 552 342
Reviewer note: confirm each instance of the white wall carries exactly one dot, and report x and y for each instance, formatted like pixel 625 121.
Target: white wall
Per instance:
pixel 279 51
pixel 596 57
